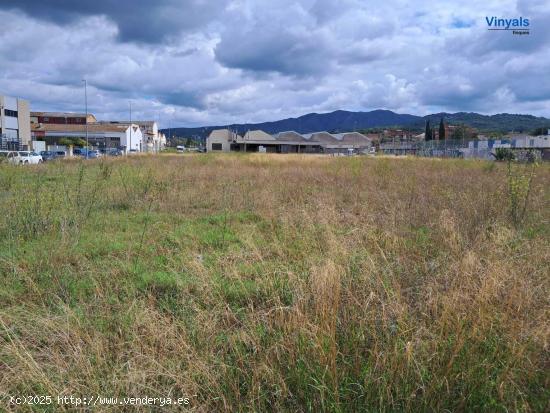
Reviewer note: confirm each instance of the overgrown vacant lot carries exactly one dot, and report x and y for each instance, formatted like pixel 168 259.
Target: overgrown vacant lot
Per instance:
pixel 277 283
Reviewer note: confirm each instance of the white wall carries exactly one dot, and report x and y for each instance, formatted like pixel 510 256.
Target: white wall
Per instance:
pixel 10 123
pixel 38 146
pixel 10 103
pixel 133 139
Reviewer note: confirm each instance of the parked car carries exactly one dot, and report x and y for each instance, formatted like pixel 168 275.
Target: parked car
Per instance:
pixel 88 153
pixel 113 152
pixel 60 154
pixel 77 151
pixel 48 156
pixel 180 148
pixel 110 151
pixel 91 154
pixel 24 157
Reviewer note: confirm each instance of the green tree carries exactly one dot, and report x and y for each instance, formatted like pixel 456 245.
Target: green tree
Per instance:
pixel 504 154
pixel 428 132
pixel 442 130
pixel 72 142
pixel 540 131
pixel 463 132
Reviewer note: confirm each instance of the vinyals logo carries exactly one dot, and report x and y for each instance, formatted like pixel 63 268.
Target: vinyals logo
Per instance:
pixel 519 26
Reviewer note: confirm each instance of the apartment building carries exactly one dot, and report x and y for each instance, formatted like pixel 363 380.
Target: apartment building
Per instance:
pixel 15 132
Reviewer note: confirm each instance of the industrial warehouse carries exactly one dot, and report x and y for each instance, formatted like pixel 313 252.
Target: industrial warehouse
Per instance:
pixel 226 140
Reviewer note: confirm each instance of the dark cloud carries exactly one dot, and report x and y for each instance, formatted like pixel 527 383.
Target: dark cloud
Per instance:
pixel 147 21
pixel 185 98
pixel 199 62
pixel 274 50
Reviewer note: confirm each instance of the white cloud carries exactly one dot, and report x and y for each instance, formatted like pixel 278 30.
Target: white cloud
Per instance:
pixel 259 60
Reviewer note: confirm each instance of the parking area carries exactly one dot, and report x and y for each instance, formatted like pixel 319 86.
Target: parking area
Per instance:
pixel 34 157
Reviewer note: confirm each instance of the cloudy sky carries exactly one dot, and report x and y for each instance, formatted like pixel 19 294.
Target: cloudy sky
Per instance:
pixel 205 62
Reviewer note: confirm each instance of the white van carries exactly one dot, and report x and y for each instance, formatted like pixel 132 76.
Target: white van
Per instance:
pixel 180 148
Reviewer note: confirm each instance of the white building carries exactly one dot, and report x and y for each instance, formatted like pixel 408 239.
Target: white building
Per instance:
pixel 153 140
pixel 221 140
pixel 14 123
pixel 485 149
pixel 128 138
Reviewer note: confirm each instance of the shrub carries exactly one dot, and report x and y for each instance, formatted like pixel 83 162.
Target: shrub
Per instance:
pixel 504 154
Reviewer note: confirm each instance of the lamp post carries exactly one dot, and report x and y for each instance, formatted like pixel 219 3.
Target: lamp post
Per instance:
pixel 130 102
pixel 86 120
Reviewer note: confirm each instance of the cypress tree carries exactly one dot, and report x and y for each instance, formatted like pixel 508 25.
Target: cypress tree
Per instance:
pixel 442 130
pixel 428 132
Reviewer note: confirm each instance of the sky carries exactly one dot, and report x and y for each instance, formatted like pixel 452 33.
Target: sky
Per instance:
pixel 199 62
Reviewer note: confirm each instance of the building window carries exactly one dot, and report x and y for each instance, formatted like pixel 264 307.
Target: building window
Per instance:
pixel 216 146
pixel 11 113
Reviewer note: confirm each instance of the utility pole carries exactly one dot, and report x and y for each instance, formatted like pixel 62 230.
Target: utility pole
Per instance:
pixel 130 125
pixel 86 121
pixel 157 143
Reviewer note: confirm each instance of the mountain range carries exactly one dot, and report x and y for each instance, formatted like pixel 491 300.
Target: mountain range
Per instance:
pixel 344 121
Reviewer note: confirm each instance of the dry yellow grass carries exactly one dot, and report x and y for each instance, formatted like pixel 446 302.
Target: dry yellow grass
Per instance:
pixel 275 283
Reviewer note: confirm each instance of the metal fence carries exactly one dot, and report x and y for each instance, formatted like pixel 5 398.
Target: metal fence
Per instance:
pixel 448 148
pixel 524 147
pixel 9 143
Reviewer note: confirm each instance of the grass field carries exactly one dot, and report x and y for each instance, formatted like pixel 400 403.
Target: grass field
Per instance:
pixel 277 283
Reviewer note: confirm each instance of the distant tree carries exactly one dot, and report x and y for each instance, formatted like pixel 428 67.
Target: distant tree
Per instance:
pixel 175 141
pixel 540 131
pixel 495 134
pixel 442 129
pixel 65 142
pixel 463 132
pixel 428 132
pixel 72 142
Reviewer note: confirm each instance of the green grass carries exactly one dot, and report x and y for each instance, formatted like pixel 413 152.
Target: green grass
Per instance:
pixel 275 283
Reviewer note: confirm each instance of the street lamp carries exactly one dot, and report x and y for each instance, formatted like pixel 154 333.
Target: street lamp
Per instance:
pixel 130 124
pixel 86 120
